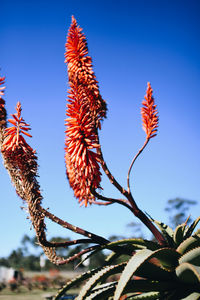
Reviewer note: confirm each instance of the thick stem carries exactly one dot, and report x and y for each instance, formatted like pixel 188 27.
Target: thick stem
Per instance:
pixel 95 238
pixel 146 221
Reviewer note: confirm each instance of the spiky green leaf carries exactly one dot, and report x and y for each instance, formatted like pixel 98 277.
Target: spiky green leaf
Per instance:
pixel 134 263
pixel 146 296
pixel 75 281
pixel 100 276
pixel 192 257
pixel 189 244
pixel 153 271
pixel 167 232
pixel 179 234
pixel 188 273
pixel 167 256
pixel 192 296
pixel 192 227
pixel 137 244
pixel 103 291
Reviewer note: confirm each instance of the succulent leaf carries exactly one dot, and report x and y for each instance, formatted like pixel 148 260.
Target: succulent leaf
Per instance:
pixel 99 276
pixel 136 244
pixel 133 264
pixel 179 234
pixel 151 270
pixel 167 231
pixel 75 281
pixel 189 243
pixel 193 296
pixel 188 273
pixel 146 296
pixel 192 257
pixel 102 291
pixel 192 227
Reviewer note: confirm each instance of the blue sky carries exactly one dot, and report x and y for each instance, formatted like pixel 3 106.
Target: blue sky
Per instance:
pixel 131 43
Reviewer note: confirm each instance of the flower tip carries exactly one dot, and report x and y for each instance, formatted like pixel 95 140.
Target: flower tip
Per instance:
pixel 73 20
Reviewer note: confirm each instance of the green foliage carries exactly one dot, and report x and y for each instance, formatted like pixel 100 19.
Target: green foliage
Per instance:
pixel 151 272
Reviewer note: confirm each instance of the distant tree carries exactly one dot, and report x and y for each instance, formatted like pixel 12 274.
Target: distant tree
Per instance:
pixel 15 259
pixel 4 262
pixel 178 210
pixel 28 242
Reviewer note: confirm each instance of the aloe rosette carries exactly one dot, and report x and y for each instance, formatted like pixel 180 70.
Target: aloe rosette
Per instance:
pixel 151 272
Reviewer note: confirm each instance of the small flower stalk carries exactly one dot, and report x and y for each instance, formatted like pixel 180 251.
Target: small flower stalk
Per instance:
pixel 149 114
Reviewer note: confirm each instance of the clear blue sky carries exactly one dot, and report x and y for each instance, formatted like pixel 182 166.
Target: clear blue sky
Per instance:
pixel 131 42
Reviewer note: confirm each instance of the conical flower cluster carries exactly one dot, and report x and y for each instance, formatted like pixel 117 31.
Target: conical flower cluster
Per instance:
pixel 82 163
pixel 79 65
pixel 16 151
pixel 149 114
pixel 85 110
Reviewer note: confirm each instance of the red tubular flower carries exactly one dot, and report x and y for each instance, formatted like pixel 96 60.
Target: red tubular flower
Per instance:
pixel 13 135
pixel 15 149
pixel 80 69
pixel 149 114
pixel 81 138
pixel 85 110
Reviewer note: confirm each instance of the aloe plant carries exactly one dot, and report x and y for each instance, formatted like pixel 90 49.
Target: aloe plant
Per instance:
pixel 152 272
pixel 168 268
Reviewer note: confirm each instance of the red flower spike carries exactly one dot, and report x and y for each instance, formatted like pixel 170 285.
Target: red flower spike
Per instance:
pixel 85 110
pixel 83 170
pixel 149 114
pixel 13 135
pixel 80 70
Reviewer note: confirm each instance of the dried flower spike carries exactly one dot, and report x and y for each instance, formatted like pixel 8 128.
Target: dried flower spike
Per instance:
pixel 149 114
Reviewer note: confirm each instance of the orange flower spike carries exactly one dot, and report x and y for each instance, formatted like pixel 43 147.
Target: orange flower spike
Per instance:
pixel 85 110
pixel 13 135
pixel 83 170
pixel 80 70
pixel 149 114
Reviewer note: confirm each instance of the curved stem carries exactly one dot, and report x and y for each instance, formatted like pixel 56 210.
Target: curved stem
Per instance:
pixel 133 161
pixel 108 173
pixel 95 238
pixel 100 203
pixel 63 261
pixel 64 244
pixel 134 208
pixel 119 201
